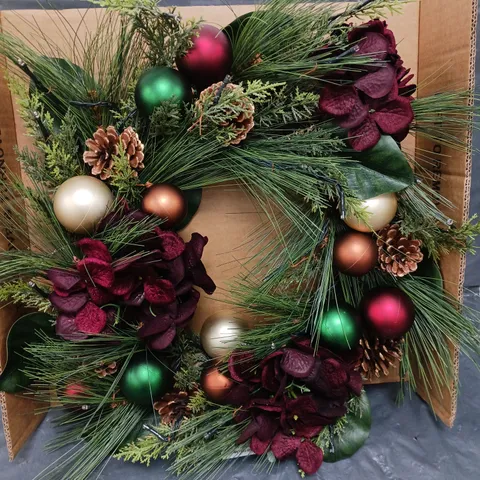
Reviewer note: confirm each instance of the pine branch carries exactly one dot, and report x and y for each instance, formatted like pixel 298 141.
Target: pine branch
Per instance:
pixel 20 292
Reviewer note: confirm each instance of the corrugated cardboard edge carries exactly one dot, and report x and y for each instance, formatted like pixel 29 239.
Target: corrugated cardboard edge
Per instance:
pixel 18 413
pixel 442 40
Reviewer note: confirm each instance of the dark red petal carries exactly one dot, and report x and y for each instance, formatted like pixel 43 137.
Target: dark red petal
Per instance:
pixel 240 365
pixel 334 373
pixel 187 308
pixel 304 344
pixel 355 384
pixel 170 244
pixel 270 381
pixel 155 325
pixel 257 446
pixel 308 431
pixel 201 279
pixel 91 319
pixel 135 299
pixel 401 136
pixel 249 431
pixel 175 270
pixel 66 328
pixel 394 117
pixel 357 33
pixel 196 246
pixel 94 249
pixel 99 296
pixel 60 292
pixel 267 426
pixel 71 304
pixel 97 271
pixel 338 100
pixel 373 44
pixel 126 262
pixel 159 291
pixel 124 285
pixel 296 363
pixel 163 340
pixel 284 446
pixel 309 457
pixel 183 287
pixel 365 136
pixel 377 84
pixel 64 279
pixel 358 114
pixel 302 404
pixel 238 395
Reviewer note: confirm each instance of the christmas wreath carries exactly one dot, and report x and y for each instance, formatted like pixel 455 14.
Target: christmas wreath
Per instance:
pixel 305 109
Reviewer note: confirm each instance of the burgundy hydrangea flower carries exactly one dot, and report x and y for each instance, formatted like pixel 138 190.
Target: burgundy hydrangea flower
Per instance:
pixel 284 423
pixel 153 284
pixel 377 100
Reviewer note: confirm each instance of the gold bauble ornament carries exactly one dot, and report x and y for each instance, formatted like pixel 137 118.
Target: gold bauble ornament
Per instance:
pixel 220 334
pixel 81 202
pixel 381 209
pixel 215 384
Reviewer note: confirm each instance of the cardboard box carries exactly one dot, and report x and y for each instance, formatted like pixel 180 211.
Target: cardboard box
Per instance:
pixel 436 38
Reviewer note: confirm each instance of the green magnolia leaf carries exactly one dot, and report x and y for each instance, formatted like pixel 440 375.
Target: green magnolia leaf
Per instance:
pixel 22 332
pixel 353 435
pixel 194 198
pixel 429 270
pixel 382 169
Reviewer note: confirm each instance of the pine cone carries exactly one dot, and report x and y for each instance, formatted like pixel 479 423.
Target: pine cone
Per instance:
pixel 378 357
pixel 398 255
pixel 173 407
pixel 101 150
pixel 133 147
pixel 105 145
pixel 105 371
pixel 243 123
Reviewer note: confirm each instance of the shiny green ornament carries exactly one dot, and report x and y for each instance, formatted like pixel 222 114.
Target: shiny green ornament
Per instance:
pixel 340 329
pixel 145 380
pixel 160 84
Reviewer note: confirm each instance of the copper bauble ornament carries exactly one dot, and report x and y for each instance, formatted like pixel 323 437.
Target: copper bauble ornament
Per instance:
pixel 81 202
pixel 167 202
pixel 215 384
pixel 381 210
pixel 388 312
pixel 209 59
pixel 355 253
pixel 220 334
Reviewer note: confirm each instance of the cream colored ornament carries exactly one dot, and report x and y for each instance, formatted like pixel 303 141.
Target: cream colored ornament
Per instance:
pixel 81 202
pixel 220 334
pixel 382 210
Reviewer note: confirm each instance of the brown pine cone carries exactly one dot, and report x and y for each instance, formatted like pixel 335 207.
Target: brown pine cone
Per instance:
pixel 133 147
pixel 173 407
pixel 106 370
pixel 379 356
pixel 105 146
pixel 397 254
pixel 102 148
pixel 243 123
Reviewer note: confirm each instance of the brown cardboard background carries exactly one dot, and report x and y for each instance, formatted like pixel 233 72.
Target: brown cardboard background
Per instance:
pixel 234 214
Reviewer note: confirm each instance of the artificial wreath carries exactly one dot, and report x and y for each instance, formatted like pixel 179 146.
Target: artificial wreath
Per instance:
pixel 305 108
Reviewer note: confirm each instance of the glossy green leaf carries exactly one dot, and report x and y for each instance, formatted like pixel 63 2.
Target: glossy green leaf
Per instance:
pixel 382 169
pixel 22 332
pixel 354 434
pixel 194 198
pixel 429 270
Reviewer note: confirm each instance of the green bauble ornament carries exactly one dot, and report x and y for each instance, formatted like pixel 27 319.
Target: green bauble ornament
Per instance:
pixel 160 84
pixel 339 329
pixel 145 380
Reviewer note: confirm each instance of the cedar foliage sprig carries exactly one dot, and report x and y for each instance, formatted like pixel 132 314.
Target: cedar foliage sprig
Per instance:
pixel 164 33
pixel 20 292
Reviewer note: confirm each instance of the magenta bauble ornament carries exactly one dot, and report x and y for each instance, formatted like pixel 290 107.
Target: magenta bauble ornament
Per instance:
pixel 209 59
pixel 388 312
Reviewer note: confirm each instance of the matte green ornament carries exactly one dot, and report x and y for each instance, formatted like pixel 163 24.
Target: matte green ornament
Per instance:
pixel 145 380
pixel 339 329
pixel 160 84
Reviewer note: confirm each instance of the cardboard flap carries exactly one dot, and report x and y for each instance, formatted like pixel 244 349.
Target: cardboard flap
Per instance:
pixel 446 61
